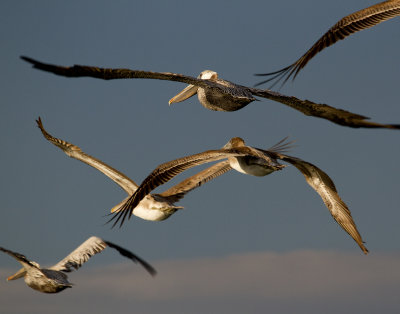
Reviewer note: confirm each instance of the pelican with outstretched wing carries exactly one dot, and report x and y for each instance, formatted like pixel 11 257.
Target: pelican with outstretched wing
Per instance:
pixel 154 207
pixel 252 161
pixel 348 25
pixel 54 279
pixel 217 94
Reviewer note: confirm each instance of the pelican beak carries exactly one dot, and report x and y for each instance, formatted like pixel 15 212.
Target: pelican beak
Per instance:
pixel 117 207
pixel 17 275
pixel 227 146
pixel 186 93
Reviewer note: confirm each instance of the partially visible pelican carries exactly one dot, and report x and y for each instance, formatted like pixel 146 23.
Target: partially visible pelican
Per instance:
pixel 348 25
pixel 217 94
pixel 154 207
pixel 54 279
pixel 252 161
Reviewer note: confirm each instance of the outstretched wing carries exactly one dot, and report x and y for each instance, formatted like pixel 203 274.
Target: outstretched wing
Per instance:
pixel 75 152
pixel 112 74
pixel 150 269
pixel 309 108
pixel 178 191
pixel 348 25
pixel 165 172
pixel 325 187
pixel 80 255
pixel 19 257
pixel 90 247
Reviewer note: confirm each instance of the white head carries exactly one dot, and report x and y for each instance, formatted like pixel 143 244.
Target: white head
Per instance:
pixel 191 90
pixel 208 75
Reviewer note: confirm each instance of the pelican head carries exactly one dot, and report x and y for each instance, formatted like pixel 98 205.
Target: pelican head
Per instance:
pixel 234 142
pixel 191 90
pixel 208 75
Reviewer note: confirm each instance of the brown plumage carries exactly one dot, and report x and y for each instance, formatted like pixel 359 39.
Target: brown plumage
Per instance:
pixel 253 161
pixel 217 94
pixel 348 25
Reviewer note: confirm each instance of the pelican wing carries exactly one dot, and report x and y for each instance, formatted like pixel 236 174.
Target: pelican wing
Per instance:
pixel 112 74
pixel 165 172
pixel 75 152
pixel 80 255
pixel 150 269
pixel 309 108
pixel 325 187
pixel 178 191
pixel 90 247
pixel 19 257
pixel 348 25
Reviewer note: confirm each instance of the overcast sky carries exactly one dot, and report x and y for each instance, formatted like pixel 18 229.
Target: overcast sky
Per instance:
pixel 242 243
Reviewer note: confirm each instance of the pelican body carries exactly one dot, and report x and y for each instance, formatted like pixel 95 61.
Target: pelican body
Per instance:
pixel 252 164
pixel 41 279
pixel 152 208
pixel 54 279
pixel 231 98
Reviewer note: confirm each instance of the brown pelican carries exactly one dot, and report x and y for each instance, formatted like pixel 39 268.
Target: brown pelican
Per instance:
pixel 348 25
pixel 217 94
pixel 54 279
pixel 252 161
pixel 154 207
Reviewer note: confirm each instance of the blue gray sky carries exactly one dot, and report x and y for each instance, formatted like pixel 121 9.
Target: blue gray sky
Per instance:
pixel 242 243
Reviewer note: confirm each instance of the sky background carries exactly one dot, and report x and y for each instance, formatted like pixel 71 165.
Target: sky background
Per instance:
pixel 242 243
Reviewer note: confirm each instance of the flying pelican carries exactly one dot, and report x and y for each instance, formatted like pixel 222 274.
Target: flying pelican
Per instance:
pixel 154 207
pixel 252 161
pixel 348 25
pixel 54 279
pixel 217 94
